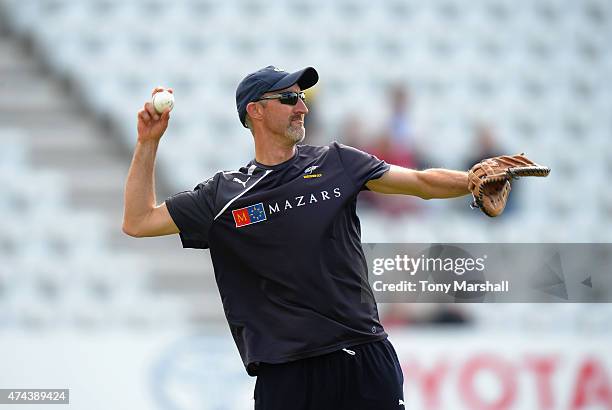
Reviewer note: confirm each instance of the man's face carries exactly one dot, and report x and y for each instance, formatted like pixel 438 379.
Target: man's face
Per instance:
pixel 284 119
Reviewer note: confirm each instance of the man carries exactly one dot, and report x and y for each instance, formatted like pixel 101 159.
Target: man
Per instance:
pixel 285 243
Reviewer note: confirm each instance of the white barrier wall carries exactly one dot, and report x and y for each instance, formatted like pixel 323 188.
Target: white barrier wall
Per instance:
pixel 443 370
pixel 476 371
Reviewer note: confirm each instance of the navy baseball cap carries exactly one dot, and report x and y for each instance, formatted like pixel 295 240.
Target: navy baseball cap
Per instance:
pixel 256 84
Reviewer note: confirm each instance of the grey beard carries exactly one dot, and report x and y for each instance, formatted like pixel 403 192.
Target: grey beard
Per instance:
pixel 295 134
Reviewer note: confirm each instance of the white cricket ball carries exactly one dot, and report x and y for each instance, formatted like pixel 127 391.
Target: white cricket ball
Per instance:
pixel 163 100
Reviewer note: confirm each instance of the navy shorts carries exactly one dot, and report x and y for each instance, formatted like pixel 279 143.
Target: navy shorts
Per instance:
pixel 362 377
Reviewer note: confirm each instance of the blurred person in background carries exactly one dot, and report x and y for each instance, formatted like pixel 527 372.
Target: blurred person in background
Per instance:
pixel 398 139
pixel 484 143
pixel 386 149
pixel 396 144
pixel 352 131
pixel 285 242
pixel 312 121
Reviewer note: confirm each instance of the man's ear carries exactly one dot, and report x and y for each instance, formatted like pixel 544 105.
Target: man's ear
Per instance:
pixel 254 110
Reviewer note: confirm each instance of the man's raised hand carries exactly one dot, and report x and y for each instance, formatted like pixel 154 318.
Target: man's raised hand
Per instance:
pixel 151 125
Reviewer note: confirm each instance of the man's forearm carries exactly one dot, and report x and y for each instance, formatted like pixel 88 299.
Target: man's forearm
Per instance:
pixel 428 184
pixel 139 197
pixel 444 183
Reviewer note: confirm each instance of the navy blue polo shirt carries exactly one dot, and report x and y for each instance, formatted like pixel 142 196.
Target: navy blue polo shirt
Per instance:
pixel 285 243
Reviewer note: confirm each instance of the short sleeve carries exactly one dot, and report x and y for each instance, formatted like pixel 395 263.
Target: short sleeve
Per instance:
pixel 361 166
pixel 193 213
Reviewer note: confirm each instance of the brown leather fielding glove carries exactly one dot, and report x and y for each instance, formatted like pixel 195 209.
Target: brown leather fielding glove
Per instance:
pixel 489 180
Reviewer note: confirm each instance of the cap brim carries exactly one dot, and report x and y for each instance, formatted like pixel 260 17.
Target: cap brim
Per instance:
pixel 305 78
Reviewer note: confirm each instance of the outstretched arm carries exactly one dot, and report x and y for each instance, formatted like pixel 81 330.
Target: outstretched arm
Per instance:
pixel 428 184
pixel 141 216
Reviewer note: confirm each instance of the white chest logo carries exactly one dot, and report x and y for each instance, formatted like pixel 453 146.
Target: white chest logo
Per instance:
pixel 240 182
pixel 310 169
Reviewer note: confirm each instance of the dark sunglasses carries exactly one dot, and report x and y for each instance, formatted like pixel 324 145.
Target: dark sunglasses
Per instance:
pixel 288 98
